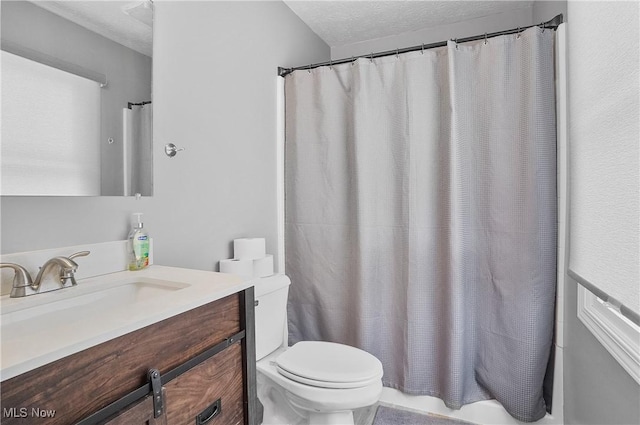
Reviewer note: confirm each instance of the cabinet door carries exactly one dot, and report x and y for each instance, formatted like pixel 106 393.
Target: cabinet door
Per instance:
pixel 141 413
pixel 195 392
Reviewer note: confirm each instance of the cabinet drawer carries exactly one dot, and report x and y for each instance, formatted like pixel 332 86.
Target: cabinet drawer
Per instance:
pixel 219 377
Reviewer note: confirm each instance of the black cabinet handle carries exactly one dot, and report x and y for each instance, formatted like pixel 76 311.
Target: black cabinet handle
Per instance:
pixel 209 413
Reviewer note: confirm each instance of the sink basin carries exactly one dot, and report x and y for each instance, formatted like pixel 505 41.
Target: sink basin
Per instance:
pixel 81 303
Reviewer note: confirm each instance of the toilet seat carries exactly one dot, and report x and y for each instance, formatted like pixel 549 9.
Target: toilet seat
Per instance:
pixel 325 384
pixel 329 365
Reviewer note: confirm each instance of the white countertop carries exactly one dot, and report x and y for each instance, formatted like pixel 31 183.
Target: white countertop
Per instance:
pixel 43 328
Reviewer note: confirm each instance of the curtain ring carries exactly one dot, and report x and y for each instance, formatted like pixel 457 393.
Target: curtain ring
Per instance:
pixel 544 26
pixel 330 64
pixel 397 53
pixel 518 36
pixel 485 38
pixel 371 57
pixel 456 41
pixel 353 62
pixel 423 48
pixel 309 69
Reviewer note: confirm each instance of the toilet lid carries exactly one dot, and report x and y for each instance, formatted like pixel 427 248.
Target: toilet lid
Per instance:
pixel 329 365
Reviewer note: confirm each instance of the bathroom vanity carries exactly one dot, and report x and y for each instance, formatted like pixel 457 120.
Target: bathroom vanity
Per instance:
pixel 159 346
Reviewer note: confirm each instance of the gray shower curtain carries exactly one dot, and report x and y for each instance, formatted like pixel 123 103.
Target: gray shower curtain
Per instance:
pixel 421 216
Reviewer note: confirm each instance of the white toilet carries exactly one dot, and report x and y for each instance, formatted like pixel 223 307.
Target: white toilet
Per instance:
pixel 312 382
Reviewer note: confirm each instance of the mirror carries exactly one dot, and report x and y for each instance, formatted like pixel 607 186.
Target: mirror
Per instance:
pixel 76 98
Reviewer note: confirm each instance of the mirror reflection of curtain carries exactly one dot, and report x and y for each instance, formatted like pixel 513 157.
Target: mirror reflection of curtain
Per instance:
pixel 137 149
pixel 60 155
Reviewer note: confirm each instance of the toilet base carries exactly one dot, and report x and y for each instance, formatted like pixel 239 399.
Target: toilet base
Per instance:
pixel 333 418
pixel 279 408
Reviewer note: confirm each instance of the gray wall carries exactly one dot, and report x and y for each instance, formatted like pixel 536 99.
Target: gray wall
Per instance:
pixel 597 390
pixel 128 72
pixel 542 11
pixel 215 66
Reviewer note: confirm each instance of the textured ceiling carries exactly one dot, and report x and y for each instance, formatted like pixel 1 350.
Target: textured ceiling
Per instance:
pixel 344 22
pixel 111 19
pixel 337 22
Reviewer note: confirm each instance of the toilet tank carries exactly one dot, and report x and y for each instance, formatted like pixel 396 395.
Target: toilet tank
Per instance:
pixel 271 313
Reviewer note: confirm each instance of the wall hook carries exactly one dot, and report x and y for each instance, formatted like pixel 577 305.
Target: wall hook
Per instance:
pixel 171 150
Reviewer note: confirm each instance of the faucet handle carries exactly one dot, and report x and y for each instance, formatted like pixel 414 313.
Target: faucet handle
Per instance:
pixel 79 254
pixel 68 274
pixel 21 280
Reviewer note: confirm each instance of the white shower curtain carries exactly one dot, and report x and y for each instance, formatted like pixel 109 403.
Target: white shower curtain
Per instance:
pixel 137 152
pixel 421 216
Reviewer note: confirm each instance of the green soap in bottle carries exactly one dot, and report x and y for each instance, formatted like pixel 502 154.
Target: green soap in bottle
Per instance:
pixel 138 245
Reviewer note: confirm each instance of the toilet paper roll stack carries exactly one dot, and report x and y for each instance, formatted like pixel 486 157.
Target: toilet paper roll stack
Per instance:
pixel 250 259
pixel 243 268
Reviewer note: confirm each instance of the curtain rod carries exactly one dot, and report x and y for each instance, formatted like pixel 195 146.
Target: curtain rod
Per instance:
pixel 130 104
pixel 551 24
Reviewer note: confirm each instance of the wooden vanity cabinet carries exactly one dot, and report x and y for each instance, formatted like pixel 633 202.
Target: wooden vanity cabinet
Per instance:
pixel 101 384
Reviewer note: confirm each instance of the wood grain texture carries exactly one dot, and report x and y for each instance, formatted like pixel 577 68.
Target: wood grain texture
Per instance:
pixel 85 382
pixel 219 377
pixel 252 407
pixel 141 413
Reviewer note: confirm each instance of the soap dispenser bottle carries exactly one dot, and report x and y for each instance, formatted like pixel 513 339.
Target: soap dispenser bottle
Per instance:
pixel 138 244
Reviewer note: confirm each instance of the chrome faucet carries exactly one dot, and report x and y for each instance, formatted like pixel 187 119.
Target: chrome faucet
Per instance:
pixel 58 270
pixel 54 270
